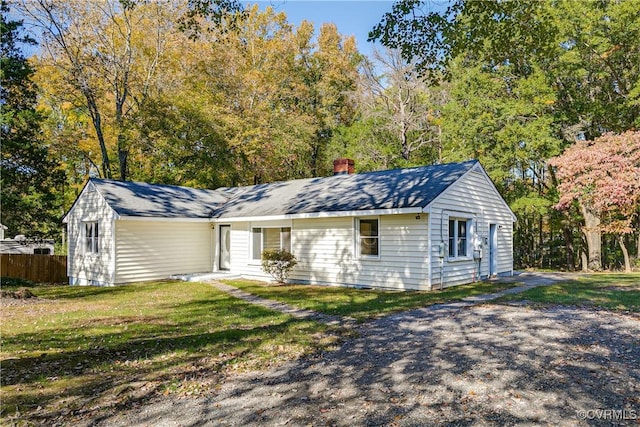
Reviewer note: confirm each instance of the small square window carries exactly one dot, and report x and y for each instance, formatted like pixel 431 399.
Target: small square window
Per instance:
pixel 369 237
pixel 269 238
pixel 91 237
pixel 458 237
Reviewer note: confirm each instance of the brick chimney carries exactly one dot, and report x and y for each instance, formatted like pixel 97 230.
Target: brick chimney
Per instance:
pixel 343 166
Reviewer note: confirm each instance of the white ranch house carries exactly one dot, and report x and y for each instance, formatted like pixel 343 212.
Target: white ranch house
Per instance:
pixel 418 228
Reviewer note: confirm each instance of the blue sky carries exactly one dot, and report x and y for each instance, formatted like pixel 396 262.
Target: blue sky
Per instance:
pixel 352 17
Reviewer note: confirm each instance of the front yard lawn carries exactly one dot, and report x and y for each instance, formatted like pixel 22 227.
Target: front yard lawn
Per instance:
pixel 619 292
pixel 75 351
pixel 359 303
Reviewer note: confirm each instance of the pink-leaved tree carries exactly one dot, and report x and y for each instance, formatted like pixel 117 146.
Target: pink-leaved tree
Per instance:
pixel 603 177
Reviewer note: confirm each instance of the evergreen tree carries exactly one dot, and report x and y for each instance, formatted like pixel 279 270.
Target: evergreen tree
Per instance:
pixel 28 177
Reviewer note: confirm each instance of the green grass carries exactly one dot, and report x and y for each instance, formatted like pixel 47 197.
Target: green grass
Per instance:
pixel 88 348
pixel 358 303
pixel 620 292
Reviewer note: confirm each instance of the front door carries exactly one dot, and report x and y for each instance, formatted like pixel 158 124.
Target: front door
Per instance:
pixel 493 249
pixel 225 248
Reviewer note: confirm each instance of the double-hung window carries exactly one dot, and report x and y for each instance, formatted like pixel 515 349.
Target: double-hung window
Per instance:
pixel 368 237
pixel 91 237
pixel 458 237
pixel 269 238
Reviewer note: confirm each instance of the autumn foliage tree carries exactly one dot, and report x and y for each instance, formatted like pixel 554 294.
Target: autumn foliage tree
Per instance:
pixel 603 177
pixel 163 92
pixel 103 59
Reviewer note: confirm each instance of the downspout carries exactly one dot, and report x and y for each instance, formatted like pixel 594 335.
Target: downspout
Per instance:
pixel 114 252
pixel 441 250
pixel 429 249
pixel 484 239
pixel 213 247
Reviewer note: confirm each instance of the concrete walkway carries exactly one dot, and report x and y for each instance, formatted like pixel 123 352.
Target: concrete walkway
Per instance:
pixel 529 280
pixel 298 313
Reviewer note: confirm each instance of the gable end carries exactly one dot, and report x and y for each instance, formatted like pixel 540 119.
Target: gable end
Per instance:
pixel 478 170
pixel 89 187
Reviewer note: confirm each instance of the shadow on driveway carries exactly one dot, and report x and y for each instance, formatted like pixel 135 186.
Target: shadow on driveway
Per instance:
pixel 481 365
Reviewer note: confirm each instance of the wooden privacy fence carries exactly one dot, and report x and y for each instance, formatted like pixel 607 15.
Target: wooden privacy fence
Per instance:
pixel 37 268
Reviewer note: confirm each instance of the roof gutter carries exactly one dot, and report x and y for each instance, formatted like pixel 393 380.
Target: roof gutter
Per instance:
pixel 161 219
pixel 312 215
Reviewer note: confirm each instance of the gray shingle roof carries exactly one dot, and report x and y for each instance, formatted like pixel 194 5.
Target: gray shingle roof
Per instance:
pixel 391 189
pixel 163 201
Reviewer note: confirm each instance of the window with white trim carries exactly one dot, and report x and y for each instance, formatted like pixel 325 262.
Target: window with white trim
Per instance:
pixel 91 237
pixel 368 244
pixel 459 237
pixel 269 238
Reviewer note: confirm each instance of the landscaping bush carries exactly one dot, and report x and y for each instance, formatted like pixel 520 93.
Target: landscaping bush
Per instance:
pixel 278 263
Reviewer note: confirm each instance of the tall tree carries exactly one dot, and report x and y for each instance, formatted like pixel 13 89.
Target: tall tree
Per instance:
pixel 275 92
pixel 582 57
pixel 100 62
pixel 28 176
pixel 588 51
pixel 329 72
pixel 603 177
pixel 507 122
pixel 265 122
pixel 399 116
pixel 400 98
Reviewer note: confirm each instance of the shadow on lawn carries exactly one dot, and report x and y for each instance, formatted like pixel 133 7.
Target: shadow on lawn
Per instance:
pixel 120 367
pixel 67 292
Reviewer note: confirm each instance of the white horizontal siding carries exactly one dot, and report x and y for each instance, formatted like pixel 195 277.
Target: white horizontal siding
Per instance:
pixel 325 249
pixel 475 196
pixel 241 262
pixel 151 250
pixel 89 268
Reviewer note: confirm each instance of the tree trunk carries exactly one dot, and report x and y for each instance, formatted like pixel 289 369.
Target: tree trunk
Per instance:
pixel 440 154
pixel 315 154
pixel 625 252
pixel 593 237
pixel 123 156
pixel 97 125
pixel 122 145
pixel 584 261
pixel 540 243
pixel 568 244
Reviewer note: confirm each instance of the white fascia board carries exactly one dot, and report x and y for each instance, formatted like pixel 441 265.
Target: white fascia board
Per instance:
pixel 504 202
pixel 160 219
pixel 478 166
pixel 428 207
pixel 65 219
pixel 369 212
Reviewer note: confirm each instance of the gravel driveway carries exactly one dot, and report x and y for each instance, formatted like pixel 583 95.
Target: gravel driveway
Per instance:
pixel 480 365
